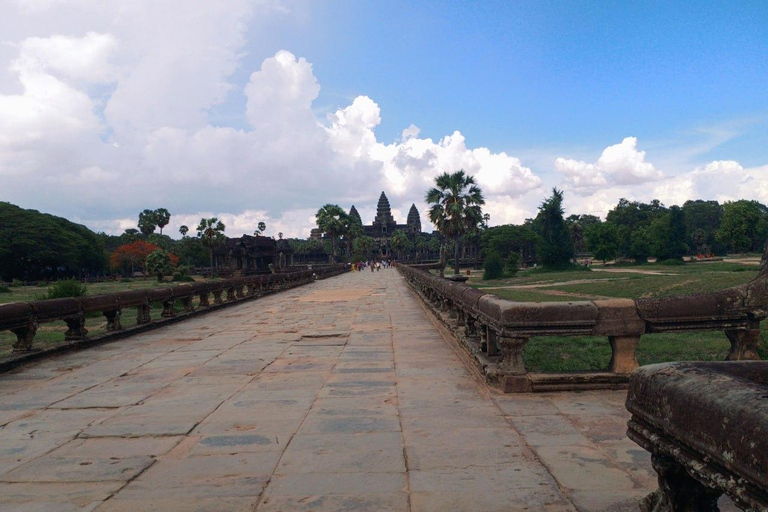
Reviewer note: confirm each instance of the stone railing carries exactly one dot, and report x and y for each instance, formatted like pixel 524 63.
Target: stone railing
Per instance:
pixel 495 330
pixel 705 425
pixel 24 318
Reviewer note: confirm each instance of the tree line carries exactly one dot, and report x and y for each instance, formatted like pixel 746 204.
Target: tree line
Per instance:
pixel 633 230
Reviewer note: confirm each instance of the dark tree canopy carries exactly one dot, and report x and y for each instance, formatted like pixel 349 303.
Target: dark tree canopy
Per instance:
pixel 162 218
pixel 36 245
pixel 147 222
pixel 555 247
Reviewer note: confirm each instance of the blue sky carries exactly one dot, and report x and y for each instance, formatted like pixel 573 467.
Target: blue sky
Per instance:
pixel 266 109
pixel 515 75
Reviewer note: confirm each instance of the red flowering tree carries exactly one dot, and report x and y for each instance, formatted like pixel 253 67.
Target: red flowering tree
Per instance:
pixel 130 256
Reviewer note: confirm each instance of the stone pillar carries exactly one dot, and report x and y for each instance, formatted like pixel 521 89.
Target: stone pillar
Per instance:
pixel 461 318
pixel 168 310
pixel 623 356
pixel 470 330
pixel 113 319
pixel 491 348
pixel 217 297
pixel 204 302
pixel 143 314
pixel 512 355
pixel 239 291
pixel 744 343
pixel 186 304
pixel 24 337
pixel 75 328
pixel 678 491
pixel 230 294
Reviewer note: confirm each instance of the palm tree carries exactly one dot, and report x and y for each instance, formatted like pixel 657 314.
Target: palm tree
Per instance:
pixel 162 217
pixel 183 229
pixel 211 233
pixel 260 228
pixel 399 241
pixel 332 220
pixel 455 210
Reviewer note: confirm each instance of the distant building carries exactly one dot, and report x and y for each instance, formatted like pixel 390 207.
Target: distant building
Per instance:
pixel 384 226
pixel 246 255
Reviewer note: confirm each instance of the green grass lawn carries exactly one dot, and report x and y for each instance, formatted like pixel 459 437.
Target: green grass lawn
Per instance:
pixel 570 353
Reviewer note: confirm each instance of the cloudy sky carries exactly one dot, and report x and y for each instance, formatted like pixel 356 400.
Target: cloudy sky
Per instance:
pixel 264 110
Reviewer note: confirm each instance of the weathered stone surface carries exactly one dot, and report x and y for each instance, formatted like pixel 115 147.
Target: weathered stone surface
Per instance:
pixel 704 424
pixel 249 406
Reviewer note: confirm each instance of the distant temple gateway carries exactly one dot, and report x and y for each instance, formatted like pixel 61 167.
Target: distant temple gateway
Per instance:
pixel 384 226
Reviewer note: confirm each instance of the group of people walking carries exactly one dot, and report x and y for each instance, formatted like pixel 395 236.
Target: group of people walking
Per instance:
pixel 375 266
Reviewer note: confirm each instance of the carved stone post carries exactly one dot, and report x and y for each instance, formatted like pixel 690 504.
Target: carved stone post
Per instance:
pixel 471 331
pixel 251 289
pixel 24 337
pixel 623 356
pixel 75 328
pixel 204 302
pixel 512 355
pixel 217 297
pixel 230 294
pixel 113 319
pixel 744 343
pixel 491 346
pixel 168 310
pixel 461 318
pixel 678 491
pixel 186 304
pixel 239 291
pixel 143 314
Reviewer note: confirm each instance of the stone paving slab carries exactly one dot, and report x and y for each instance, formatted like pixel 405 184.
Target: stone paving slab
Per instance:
pixel 340 395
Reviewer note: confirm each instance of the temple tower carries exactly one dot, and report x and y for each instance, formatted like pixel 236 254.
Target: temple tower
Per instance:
pixel 353 214
pixel 384 222
pixel 414 220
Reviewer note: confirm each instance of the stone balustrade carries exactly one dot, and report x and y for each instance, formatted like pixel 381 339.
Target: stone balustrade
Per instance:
pixel 24 318
pixel 705 425
pixel 495 330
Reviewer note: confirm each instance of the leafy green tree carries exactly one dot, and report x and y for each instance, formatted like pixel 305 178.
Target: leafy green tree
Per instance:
pixel 162 241
pixel 433 245
pixel 513 262
pixel 739 224
pixel 162 218
pixel 666 235
pixel 260 228
pixel 159 264
pixel 702 220
pixel 421 246
pixel 630 215
pixel 129 236
pixel 456 207
pixel 353 229
pixel 192 252
pixel 211 233
pixel 399 242
pixel 183 229
pixel 640 244
pixel 602 240
pixel 147 222
pixel 332 220
pixel 507 239
pixel 493 267
pixel 362 248
pixel 555 247
pixel 35 245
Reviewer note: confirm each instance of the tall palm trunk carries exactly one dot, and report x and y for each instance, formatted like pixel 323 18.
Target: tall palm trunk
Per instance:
pixel 456 255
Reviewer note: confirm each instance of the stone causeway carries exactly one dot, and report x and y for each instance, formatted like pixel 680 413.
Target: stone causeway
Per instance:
pixel 341 395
